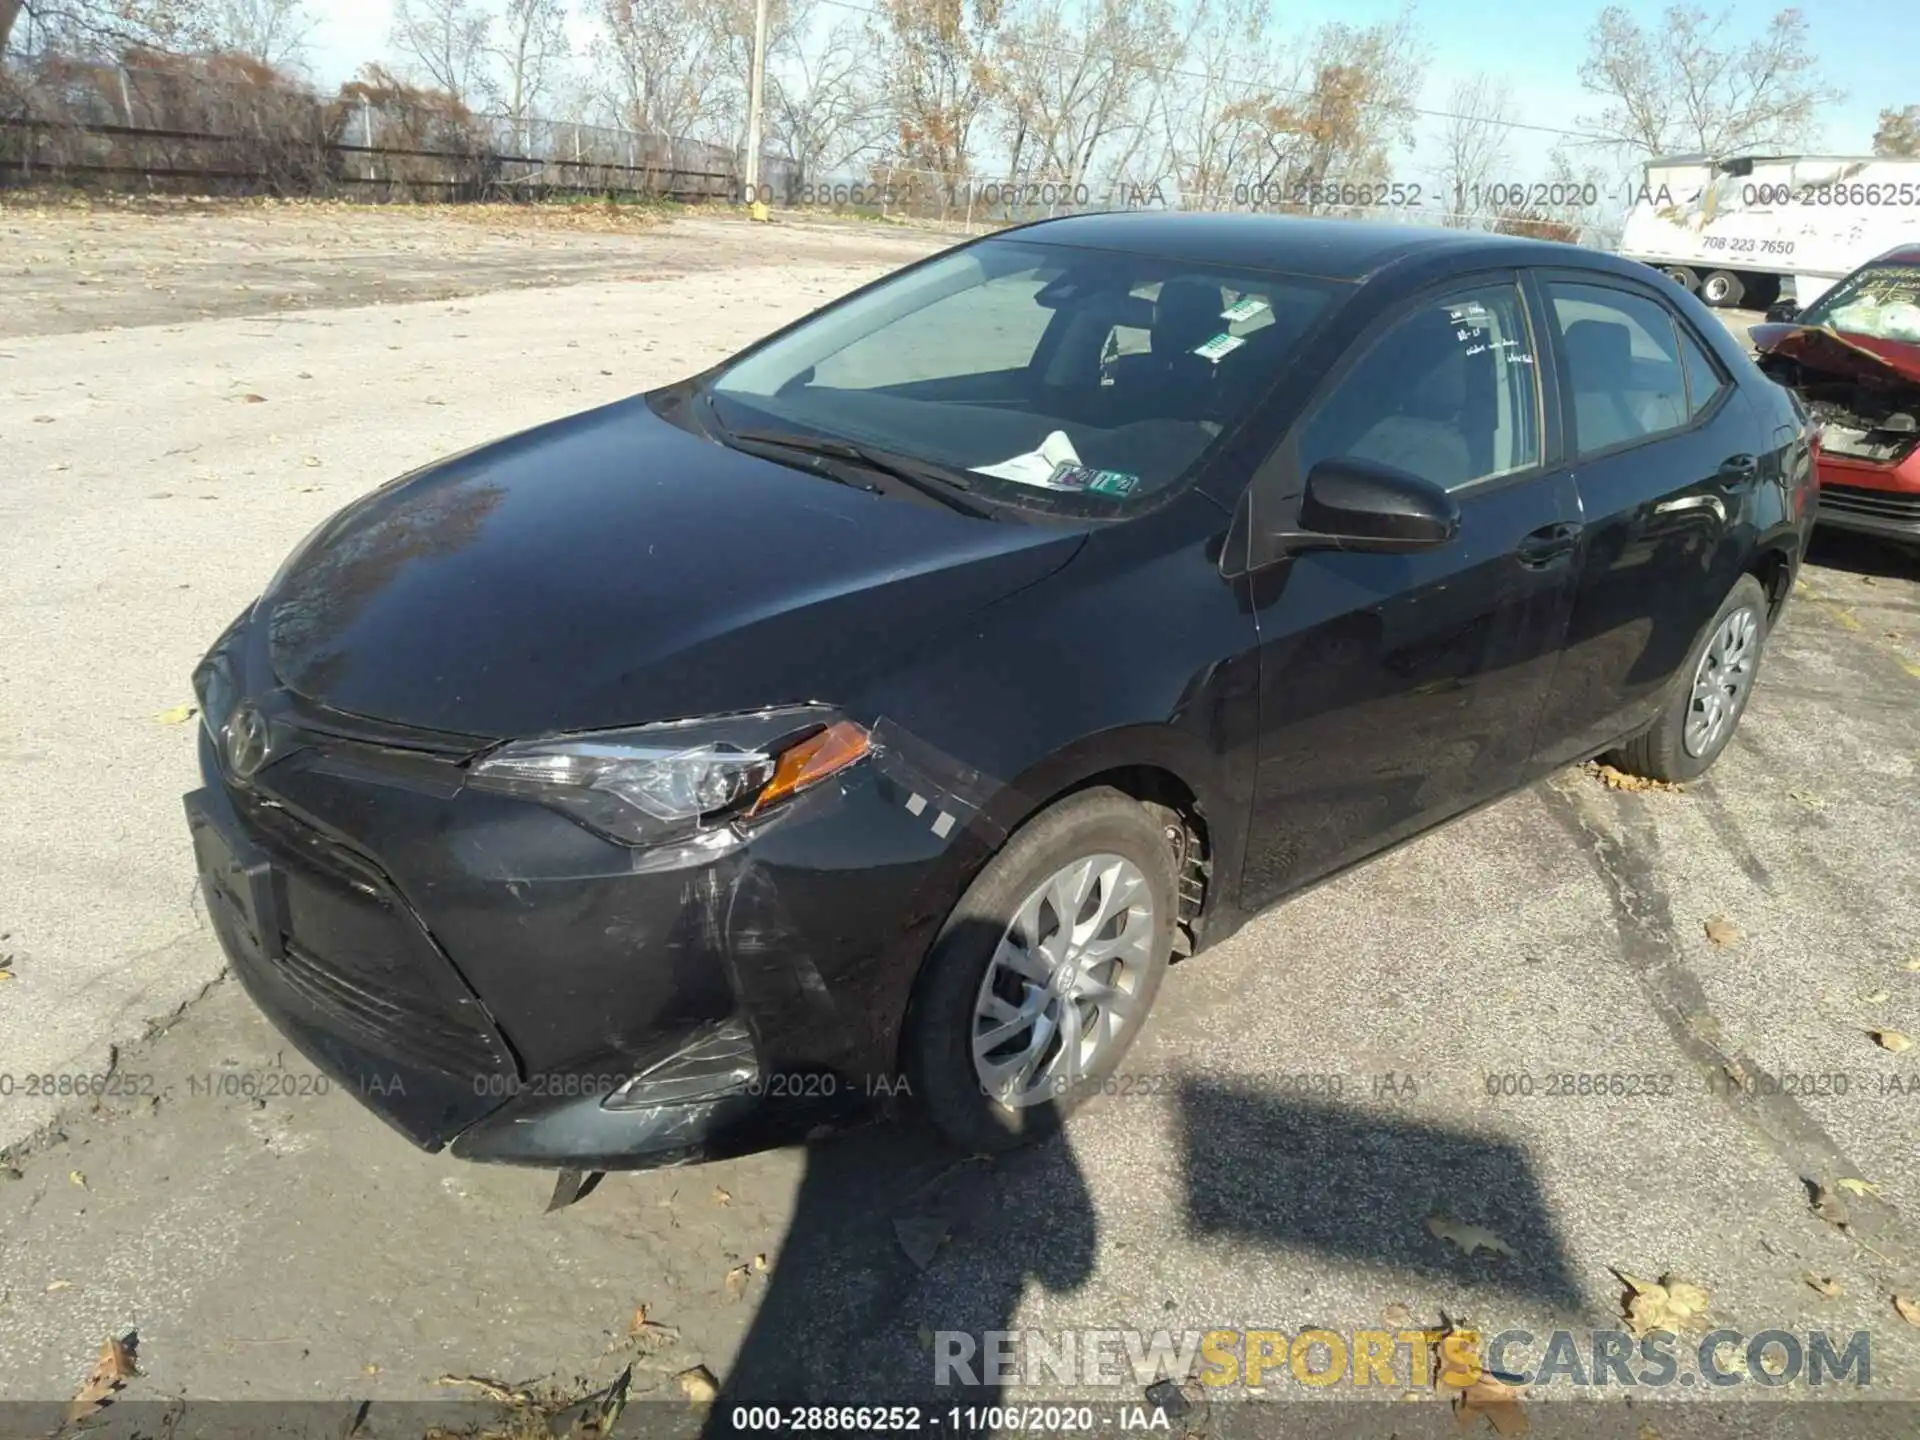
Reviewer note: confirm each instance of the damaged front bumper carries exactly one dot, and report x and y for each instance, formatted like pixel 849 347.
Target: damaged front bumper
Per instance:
pixel 486 974
pixel 1867 404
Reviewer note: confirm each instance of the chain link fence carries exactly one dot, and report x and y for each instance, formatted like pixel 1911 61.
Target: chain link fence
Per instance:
pixel 240 130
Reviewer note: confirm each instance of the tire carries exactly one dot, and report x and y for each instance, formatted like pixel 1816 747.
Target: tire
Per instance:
pixel 1665 751
pixel 1723 289
pixel 1684 278
pixel 1011 898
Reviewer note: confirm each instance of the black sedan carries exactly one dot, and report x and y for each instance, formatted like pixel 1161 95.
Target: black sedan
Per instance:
pixel 878 713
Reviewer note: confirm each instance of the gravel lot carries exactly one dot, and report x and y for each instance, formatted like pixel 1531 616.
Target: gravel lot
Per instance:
pixel 157 474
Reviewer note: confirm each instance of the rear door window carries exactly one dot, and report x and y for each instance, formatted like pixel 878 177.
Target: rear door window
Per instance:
pixel 1622 355
pixel 1704 380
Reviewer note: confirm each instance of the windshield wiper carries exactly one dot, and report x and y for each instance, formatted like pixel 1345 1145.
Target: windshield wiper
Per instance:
pixel 943 483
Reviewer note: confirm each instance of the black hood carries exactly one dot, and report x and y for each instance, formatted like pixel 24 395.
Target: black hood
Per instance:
pixel 614 569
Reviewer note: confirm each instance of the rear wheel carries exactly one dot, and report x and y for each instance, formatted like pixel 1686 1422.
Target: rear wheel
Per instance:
pixel 1044 972
pixel 1683 277
pixel 1723 289
pixel 1699 721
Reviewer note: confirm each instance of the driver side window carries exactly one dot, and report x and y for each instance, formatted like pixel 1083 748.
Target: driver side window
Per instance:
pixel 1450 393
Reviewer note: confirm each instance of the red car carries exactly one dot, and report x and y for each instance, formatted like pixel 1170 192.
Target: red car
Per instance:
pixel 1854 357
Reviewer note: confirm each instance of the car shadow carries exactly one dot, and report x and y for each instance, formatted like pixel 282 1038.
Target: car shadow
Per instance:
pixel 896 1238
pixel 1351 1184
pixel 1862 554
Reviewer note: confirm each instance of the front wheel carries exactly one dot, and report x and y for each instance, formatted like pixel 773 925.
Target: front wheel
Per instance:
pixel 1044 972
pixel 1684 278
pixel 1699 721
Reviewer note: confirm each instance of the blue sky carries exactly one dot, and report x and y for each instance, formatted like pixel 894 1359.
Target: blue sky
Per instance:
pixel 1536 47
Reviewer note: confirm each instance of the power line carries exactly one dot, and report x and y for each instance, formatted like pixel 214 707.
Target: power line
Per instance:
pixel 1245 85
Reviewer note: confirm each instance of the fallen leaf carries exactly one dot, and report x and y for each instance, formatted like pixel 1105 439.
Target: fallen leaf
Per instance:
pixel 1891 1040
pixel 760 1264
pixel 1470 1238
pixel 737 1279
pixel 110 1371
pixel 925 1337
pixel 920 1239
pixel 1827 1206
pixel 1828 1287
pixel 1670 1304
pixel 1722 931
pixel 1396 1314
pixel 492 1389
pixel 253 399
pixel 1878 997
pixel 372 1369
pixel 1857 1187
pixel 312 462
pixel 1497 1401
pixel 614 1403
pixel 77 1178
pixel 721 1197
pixel 1805 797
pixel 59 1285
pixel 1616 779
pixel 178 715
pixel 697 1384
pixel 1914 964
pixel 1909 1309
pixel 43 419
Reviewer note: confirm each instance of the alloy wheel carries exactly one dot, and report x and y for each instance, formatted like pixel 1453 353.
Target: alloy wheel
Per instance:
pixel 1062 984
pixel 1721 681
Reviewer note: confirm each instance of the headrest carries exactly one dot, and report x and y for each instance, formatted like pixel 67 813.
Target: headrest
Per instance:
pixel 1597 350
pixel 1186 314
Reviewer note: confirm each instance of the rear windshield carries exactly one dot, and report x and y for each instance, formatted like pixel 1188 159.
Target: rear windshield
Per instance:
pixel 1057 377
pixel 1881 302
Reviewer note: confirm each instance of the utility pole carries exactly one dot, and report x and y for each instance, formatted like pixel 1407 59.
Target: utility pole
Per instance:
pixel 756 83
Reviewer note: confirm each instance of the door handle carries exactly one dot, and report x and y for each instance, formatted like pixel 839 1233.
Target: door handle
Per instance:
pixel 1738 469
pixel 1547 545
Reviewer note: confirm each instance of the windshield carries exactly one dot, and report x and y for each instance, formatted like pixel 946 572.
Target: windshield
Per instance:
pixel 1881 302
pixel 1073 380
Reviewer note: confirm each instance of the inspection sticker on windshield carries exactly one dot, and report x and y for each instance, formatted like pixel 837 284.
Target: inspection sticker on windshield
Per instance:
pixel 1097 482
pixel 1219 345
pixel 1245 308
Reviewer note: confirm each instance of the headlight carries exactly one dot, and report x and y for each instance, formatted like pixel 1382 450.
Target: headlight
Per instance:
pixel 216 679
pixel 657 783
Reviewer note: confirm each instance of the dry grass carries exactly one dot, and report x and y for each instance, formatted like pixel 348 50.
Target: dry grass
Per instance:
pixel 584 214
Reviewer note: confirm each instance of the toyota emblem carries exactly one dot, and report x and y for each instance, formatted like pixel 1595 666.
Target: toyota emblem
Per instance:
pixel 247 741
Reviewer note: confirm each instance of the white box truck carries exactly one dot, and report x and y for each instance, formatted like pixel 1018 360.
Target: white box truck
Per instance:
pixel 1751 229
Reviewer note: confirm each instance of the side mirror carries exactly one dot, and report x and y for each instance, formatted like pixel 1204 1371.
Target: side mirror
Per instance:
pixel 1358 505
pixel 1784 311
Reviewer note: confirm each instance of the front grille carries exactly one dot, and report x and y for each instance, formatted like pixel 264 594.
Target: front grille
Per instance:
pixel 410 1028
pixel 1871 504
pixel 357 954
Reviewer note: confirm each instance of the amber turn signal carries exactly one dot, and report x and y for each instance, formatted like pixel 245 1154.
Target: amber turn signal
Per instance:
pixel 812 761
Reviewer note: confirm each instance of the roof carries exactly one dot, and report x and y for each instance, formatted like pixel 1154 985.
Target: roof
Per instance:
pixel 1904 254
pixel 1297 244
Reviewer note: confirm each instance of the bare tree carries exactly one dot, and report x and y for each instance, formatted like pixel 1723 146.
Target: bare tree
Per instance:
pixel 656 63
pixel 1474 154
pixel 531 48
pixel 445 40
pixel 1689 84
pixel 1899 132
pixel 273 32
pixel 1334 129
pixel 1077 84
pixel 1209 112
pixel 823 107
pixel 106 28
pixel 942 74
